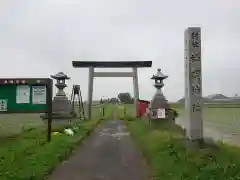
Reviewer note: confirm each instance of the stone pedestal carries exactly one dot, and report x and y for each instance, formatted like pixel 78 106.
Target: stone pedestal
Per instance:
pixel 61 111
pixel 158 102
pixel 62 107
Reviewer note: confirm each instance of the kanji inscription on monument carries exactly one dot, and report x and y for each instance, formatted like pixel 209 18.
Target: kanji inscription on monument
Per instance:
pixel 193 82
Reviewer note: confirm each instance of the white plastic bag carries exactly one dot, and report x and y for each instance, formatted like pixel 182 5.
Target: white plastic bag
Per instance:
pixel 69 132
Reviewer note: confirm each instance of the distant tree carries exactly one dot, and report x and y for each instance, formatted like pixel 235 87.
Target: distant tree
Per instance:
pixel 106 101
pixel 125 98
pixel 182 100
pixel 114 100
pixel 217 96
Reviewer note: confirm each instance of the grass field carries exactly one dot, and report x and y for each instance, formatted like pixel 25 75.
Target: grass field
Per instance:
pixel 14 124
pixel 164 148
pixel 223 117
pixel 29 156
pixel 214 113
pixel 221 121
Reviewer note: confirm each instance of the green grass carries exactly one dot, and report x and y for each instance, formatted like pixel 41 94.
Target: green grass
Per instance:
pixel 165 152
pixel 24 152
pixel 222 116
pixel 29 156
pixel 221 119
pixel 15 124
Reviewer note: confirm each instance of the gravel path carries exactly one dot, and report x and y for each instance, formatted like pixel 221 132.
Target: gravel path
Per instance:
pixel 108 154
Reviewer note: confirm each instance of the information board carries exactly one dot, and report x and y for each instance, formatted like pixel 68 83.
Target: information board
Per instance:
pixel 25 95
pixel 29 95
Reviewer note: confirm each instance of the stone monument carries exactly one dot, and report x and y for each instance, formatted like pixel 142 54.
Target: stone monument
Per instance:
pixel 193 83
pixel 61 106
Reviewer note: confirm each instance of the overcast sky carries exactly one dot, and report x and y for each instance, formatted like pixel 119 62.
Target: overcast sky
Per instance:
pixel 42 37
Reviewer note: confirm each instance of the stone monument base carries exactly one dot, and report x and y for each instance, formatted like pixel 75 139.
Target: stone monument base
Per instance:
pixel 59 117
pixel 61 105
pixel 62 112
pixel 204 143
pixel 193 144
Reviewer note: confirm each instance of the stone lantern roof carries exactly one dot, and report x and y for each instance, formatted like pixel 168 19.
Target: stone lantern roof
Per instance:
pixel 159 75
pixel 158 78
pixel 60 76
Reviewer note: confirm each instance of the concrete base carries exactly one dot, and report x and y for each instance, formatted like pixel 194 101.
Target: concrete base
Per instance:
pixel 61 105
pixel 194 144
pixel 59 116
pixel 207 143
pixel 61 111
pixel 60 121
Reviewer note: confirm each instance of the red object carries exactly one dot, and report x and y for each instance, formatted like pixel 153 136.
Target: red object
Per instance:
pixel 142 107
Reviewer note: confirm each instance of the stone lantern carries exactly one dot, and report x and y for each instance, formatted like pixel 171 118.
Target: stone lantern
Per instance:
pixel 61 78
pixel 159 101
pixel 61 106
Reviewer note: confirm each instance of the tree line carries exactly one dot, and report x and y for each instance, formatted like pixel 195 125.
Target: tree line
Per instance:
pixel 123 97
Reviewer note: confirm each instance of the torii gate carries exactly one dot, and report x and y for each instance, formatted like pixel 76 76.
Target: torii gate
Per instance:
pixel 111 64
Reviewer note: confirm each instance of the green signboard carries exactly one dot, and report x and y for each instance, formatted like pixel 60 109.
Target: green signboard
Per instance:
pixel 28 95
pixel 24 95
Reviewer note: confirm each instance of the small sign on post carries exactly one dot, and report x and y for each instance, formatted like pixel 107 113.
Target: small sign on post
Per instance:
pixel 29 95
pixel 3 105
pixel 161 113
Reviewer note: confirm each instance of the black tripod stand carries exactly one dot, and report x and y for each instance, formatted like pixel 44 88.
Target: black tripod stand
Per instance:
pixel 76 91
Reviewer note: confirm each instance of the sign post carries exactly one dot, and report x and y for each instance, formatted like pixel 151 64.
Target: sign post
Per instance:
pixel 161 113
pixel 27 95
